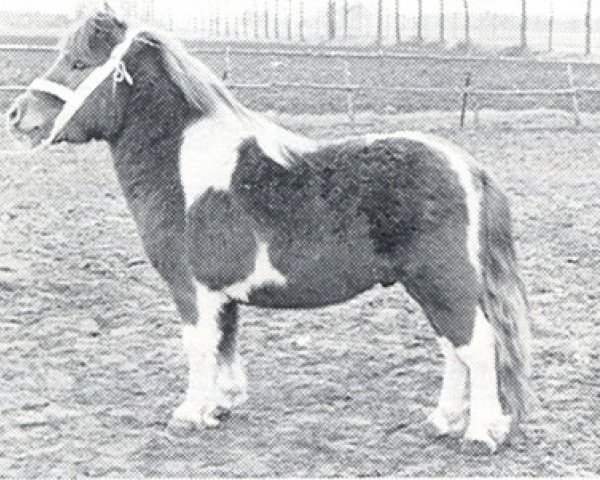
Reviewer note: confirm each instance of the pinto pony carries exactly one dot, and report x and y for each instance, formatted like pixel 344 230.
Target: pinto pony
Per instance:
pixel 233 209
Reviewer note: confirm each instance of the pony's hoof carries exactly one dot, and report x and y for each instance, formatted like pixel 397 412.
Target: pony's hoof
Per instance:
pixel 439 424
pixel 477 447
pixel 189 414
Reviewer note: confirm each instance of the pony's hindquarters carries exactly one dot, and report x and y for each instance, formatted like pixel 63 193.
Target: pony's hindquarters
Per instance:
pixel 503 299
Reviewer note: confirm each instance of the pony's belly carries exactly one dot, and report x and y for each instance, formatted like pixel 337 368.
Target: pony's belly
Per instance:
pixel 321 274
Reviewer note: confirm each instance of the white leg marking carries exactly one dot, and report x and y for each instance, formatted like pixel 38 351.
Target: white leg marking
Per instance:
pixel 459 160
pixel 231 383
pixel 200 343
pixel 487 423
pixel 450 416
pixel 264 273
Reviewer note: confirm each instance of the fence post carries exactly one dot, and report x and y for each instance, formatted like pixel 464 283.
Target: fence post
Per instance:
pixel 227 72
pixel 350 92
pixel 475 103
pixel 576 113
pixel 465 100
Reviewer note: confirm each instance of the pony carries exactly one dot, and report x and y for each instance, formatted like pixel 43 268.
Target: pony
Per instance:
pixel 233 209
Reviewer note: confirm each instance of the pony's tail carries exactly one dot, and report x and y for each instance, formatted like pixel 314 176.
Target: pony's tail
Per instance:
pixel 504 301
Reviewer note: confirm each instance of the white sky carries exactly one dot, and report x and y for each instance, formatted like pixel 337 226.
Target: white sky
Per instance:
pixel 563 8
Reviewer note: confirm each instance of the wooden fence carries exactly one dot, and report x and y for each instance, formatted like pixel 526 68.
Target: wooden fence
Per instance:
pixel 466 92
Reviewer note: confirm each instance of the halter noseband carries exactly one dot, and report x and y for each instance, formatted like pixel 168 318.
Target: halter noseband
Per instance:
pixel 74 99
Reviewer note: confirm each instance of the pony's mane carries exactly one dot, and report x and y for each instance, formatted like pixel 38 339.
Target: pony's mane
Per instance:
pixel 208 94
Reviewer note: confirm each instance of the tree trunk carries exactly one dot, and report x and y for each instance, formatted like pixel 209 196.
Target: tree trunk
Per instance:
pixel 467 24
pixel 551 27
pixel 289 21
pixel 379 23
pixel 331 10
pixel 420 21
pixel 346 11
pixel 524 44
pixel 267 34
pixel 442 22
pixel 398 19
pixel 256 19
pixel 301 22
pixel 276 19
pixel 588 28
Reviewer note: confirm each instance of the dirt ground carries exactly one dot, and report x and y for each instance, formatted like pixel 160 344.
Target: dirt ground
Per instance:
pixel 92 364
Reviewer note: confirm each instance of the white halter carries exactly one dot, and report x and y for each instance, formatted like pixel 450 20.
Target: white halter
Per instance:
pixel 74 99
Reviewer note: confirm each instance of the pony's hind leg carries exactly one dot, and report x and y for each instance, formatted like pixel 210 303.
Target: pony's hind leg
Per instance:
pixel 487 423
pixel 451 414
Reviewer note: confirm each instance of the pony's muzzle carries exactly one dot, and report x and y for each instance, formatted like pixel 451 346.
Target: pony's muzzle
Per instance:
pixel 25 118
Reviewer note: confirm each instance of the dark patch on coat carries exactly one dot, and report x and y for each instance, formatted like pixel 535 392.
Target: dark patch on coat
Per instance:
pixel 352 215
pixel 221 240
pixel 229 326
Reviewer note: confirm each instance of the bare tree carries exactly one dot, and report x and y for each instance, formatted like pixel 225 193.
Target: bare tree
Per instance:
pixel 524 44
pixel 289 20
pixel 398 29
pixel 467 23
pixel 331 11
pixel 420 21
pixel 256 19
pixel 276 19
pixel 442 22
pixel 301 21
pixel 267 35
pixel 346 12
pixel 551 27
pixel 588 28
pixel 379 23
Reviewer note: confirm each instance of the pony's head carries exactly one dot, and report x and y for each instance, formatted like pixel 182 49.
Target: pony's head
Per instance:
pixel 109 76
pixel 104 63
pixel 84 49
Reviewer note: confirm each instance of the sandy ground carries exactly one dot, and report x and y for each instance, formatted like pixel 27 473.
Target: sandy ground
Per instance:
pixel 92 364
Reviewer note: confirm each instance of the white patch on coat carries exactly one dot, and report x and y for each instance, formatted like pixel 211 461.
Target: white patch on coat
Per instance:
pixel 487 423
pixel 460 161
pixel 210 149
pixel 264 273
pixel 209 154
pixel 200 343
pixel 450 416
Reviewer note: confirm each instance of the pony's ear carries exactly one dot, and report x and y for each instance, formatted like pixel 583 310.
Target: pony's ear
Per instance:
pixel 112 11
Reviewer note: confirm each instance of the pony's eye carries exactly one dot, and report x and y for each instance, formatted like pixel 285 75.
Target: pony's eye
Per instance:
pixel 78 65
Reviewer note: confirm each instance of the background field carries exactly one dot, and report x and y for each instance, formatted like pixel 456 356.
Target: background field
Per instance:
pixel 93 366
pixel 22 67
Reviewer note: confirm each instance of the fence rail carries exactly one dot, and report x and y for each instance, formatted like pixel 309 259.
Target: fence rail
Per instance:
pixel 351 89
pixel 348 54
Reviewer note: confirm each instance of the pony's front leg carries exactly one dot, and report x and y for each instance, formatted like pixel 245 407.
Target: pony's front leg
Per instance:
pixel 231 387
pixel 201 344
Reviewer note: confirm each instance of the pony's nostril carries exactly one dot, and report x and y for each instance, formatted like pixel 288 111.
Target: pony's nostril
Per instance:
pixel 14 115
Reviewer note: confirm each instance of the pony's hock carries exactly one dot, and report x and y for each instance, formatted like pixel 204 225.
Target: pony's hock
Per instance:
pixel 234 209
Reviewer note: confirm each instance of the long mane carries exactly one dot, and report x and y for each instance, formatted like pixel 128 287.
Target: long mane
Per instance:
pixel 207 93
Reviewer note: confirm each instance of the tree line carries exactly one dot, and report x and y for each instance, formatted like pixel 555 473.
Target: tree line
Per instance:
pixel 287 20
